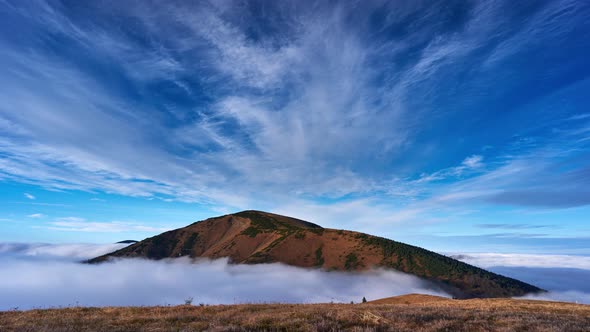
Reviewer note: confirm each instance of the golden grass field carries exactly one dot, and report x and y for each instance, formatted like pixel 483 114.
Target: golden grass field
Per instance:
pixel 404 313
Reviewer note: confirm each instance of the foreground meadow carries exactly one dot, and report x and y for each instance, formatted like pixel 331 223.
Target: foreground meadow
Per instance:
pixel 405 313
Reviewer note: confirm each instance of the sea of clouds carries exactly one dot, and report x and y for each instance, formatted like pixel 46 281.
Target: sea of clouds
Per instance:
pixel 564 276
pixel 42 275
pixel 51 275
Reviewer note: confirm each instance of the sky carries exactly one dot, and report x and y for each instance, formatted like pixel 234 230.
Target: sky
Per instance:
pixel 458 126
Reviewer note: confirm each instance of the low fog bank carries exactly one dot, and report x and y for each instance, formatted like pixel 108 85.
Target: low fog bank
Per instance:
pixel 564 284
pixel 569 296
pixel 487 260
pixel 26 283
pixel 45 275
pixel 564 276
pixel 556 279
pixel 68 252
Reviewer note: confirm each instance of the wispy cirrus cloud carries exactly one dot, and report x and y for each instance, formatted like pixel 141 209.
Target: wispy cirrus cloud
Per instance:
pixel 76 224
pixel 210 103
pixel 515 226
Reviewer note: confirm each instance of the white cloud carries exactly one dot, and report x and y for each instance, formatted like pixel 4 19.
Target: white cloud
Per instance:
pixel 124 149
pixel 76 224
pixel 28 283
pixel 565 296
pixel 36 215
pixel 317 111
pixel 29 196
pixel 47 275
pixel 247 62
pixel 541 26
pixel 563 276
pixel 473 161
pixel 66 251
pixel 487 260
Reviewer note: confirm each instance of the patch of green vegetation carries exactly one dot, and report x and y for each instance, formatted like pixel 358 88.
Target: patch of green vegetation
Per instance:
pixel 259 220
pixel 251 231
pixel 161 246
pixel 319 257
pixel 361 236
pixel 189 244
pixel 318 231
pixel 352 261
pixel 276 242
pixel 260 258
pixel 422 262
pixel 261 223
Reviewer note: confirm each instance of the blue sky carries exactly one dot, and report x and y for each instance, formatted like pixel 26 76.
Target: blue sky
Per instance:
pixel 453 125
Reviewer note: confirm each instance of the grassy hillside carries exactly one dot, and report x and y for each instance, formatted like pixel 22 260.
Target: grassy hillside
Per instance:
pixel 447 315
pixel 252 237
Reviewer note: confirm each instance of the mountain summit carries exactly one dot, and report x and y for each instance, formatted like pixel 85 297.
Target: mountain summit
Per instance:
pixel 251 237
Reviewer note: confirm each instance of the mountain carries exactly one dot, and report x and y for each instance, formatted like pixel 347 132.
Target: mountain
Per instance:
pixel 251 237
pixel 127 242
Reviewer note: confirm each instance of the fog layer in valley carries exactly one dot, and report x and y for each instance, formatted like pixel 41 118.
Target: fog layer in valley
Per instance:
pixel 48 275
pixel 27 281
pixel 564 276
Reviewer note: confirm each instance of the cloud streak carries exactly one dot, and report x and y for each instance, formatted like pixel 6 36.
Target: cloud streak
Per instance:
pixel 76 224
pixel 487 260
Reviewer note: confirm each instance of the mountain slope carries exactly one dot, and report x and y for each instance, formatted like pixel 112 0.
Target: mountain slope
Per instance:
pixel 251 237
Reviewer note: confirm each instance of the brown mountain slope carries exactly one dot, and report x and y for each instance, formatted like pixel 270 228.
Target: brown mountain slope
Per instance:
pixel 251 237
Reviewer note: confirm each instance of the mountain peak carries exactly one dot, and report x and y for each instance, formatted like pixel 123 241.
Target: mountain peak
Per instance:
pixel 251 237
pixel 267 220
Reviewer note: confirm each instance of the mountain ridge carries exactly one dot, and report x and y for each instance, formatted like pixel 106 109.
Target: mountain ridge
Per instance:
pixel 251 237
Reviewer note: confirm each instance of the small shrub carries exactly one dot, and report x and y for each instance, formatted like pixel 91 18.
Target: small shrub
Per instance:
pixel 319 257
pixel 351 262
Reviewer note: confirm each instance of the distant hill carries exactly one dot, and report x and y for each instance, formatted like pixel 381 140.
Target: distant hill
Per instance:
pixel 127 241
pixel 251 237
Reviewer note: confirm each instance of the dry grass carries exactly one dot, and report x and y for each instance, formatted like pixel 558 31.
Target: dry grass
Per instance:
pixel 436 315
pixel 411 299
